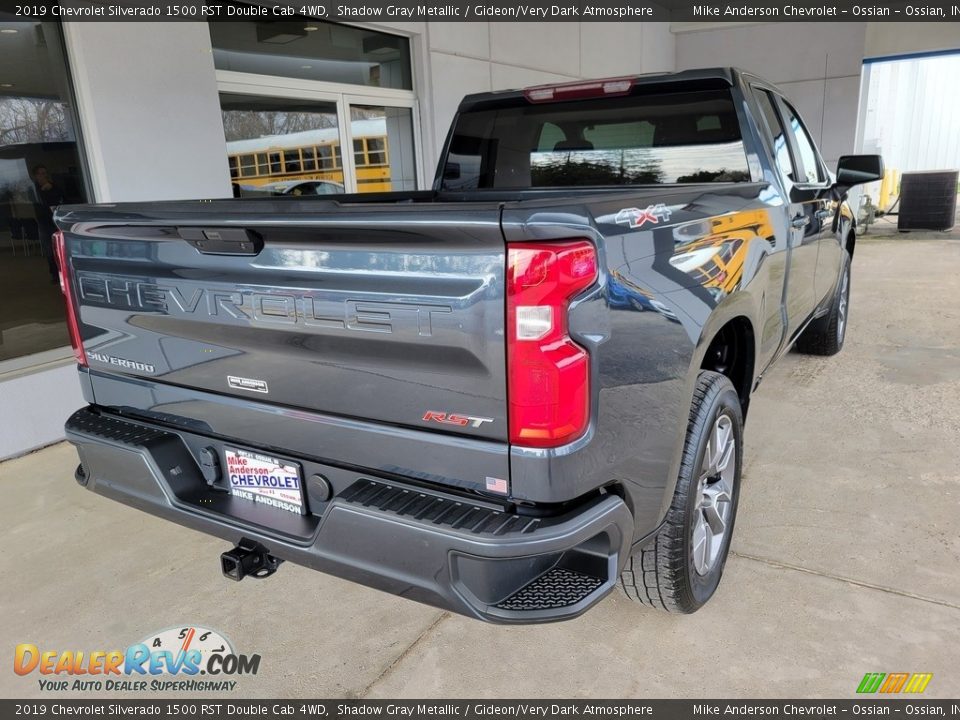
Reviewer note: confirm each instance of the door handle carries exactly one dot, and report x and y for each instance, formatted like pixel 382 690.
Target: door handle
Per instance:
pixel 801 221
pixel 223 241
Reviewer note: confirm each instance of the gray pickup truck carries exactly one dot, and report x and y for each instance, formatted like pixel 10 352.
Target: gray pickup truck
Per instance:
pixel 503 396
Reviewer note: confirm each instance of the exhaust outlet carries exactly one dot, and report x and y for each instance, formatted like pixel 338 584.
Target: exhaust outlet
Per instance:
pixel 249 558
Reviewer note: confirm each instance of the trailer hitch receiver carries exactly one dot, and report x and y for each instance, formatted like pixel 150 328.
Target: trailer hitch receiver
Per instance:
pixel 248 558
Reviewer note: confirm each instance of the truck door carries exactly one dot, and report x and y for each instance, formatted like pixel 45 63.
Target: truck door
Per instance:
pixel 803 205
pixel 816 185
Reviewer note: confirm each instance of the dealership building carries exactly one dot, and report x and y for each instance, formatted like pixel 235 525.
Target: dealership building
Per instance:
pixel 111 112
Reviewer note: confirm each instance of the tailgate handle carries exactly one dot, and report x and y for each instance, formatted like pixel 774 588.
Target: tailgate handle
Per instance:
pixel 223 241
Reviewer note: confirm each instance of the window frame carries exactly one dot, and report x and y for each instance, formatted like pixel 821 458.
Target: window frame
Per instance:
pixel 761 118
pixel 785 108
pixel 344 96
pixel 94 181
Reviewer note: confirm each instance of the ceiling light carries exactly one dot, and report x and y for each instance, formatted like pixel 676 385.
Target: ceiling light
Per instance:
pixel 311 28
pixel 6 85
pixel 306 67
pixel 9 31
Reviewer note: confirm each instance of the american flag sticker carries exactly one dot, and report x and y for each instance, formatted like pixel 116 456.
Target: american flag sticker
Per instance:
pixel 497 485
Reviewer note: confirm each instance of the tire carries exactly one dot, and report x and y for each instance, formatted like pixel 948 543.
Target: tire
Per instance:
pixel 825 335
pixel 674 571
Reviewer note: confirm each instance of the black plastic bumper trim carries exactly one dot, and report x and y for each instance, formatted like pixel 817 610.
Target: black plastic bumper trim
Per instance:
pixel 430 547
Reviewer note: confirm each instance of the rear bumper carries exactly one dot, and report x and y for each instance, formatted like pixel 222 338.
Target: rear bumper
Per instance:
pixel 458 554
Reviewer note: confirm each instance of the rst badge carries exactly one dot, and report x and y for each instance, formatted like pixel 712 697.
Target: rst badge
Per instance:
pixel 454 419
pixel 635 217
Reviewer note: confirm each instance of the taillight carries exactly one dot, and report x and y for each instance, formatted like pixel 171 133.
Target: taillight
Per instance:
pixel 548 373
pixel 73 322
pixel 580 90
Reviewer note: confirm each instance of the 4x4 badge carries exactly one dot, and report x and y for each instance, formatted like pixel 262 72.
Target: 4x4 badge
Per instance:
pixel 635 217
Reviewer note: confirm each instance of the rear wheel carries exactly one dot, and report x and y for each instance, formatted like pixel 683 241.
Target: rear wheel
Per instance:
pixel 825 335
pixel 680 568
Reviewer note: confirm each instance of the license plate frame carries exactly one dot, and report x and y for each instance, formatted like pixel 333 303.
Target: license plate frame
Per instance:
pixel 267 480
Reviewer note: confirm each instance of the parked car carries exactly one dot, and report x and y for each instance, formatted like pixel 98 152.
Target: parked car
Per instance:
pixel 309 187
pixel 460 395
pixel 292 187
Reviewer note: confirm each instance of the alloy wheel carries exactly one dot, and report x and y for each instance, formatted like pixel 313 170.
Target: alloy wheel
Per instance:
pixel 842 307
pixel 715 495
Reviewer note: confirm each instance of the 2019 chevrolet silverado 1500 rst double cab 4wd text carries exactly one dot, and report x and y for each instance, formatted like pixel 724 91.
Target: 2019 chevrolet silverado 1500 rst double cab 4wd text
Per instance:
pixel 503 396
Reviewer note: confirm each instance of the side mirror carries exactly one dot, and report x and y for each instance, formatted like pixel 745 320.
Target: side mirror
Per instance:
pixel 451 171
pixel 859 169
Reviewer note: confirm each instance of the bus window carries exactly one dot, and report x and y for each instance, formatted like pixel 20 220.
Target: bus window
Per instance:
pixel 325 155
pixel 262 167
pixel 377 151
pixel 309 159
pixel 358 154
pixel 275 168
pixel 291 161
pixel 248 165
pixel 232 161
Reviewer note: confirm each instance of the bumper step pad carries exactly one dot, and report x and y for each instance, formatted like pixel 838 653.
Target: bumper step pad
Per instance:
pixel 436 509
pixel 556 588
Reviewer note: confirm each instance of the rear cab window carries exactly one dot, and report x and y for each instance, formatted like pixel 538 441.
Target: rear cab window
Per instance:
pixel 647 139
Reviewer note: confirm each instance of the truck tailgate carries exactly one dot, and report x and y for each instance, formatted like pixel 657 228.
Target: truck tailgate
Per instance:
pixel 390 313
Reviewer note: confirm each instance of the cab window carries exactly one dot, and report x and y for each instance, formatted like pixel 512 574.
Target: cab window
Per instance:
pixel 653 137
pixel 812 170
pixel 781 150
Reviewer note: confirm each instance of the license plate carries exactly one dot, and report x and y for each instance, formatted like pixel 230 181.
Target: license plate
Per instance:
pixel 265 479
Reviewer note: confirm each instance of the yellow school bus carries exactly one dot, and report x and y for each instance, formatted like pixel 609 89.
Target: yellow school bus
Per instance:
pixel 273 161
pixel 716 261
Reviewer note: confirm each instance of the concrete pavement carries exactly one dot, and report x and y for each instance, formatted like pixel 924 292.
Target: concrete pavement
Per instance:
pixel 846 557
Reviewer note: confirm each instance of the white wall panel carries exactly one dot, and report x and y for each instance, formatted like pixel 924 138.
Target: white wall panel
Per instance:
pixel 816 64
pixel 624 43
pixel 508 77
pixel 841 98
pixel 459 38
pixel 900 38
pixel 658 48
pixel 147 99
pixel 552 47
pixel 35 407
pixel 453 77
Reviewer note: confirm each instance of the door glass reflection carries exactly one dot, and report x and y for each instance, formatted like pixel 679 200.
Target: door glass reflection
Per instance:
pixel 279 146
pixel 383 148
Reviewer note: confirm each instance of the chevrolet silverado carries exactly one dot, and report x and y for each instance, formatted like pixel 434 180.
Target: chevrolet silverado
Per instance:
pixel 503 396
